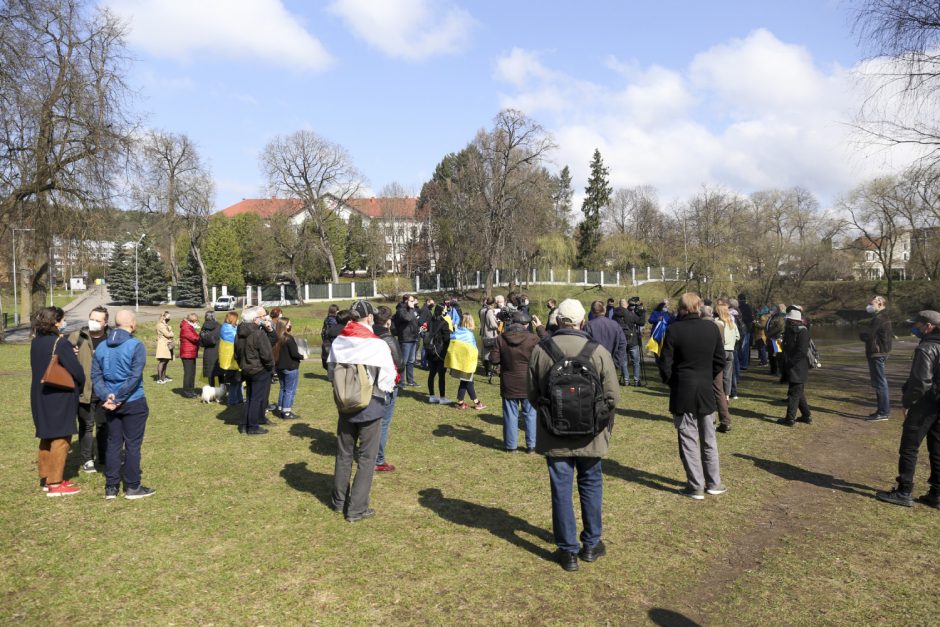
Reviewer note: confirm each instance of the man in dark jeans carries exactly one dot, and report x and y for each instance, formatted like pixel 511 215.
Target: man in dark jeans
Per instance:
pixel 92 425
pixel 747 317
pixel 921 402
pixel 796 355
pixel 254 356
pixel 877 348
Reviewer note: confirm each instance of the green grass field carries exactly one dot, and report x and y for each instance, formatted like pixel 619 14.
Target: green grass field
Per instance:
pixel 239 531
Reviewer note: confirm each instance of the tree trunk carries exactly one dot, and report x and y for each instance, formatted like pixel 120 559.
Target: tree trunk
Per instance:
pixel 488 284
pixel 197 254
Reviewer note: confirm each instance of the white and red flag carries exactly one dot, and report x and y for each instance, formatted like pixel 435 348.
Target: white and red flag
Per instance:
pixel 356 344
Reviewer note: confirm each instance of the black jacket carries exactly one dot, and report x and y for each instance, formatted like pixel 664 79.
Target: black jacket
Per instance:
pixel 393 345
pixel 693 354
pixel 878 337
pixel 512 352
pixel 630 323
pixel 209 340
pixel 747 315
pixel 329 335
pixel 288 356
pixel 921 391
pixel 795 350
pixel 406 323
pixel 253 350
pixel 54 410
pixel 439 334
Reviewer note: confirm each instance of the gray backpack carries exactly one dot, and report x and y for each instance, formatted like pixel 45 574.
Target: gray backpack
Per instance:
pixel 352 388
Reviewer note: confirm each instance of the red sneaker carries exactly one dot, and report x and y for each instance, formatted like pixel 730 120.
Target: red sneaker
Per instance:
pixel 384 468
pixel 63 489
pixel 479 405
pixel 65 482
pixel 461 405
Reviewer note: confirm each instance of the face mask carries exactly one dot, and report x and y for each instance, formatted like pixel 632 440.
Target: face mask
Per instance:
pixel 917 332
pixel 62 328
pixel 94 326
pixel 871 309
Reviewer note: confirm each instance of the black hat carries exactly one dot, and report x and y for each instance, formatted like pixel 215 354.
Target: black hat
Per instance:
pixel 634 299
pixel 521 317
pixel 361 309
pixel 927 315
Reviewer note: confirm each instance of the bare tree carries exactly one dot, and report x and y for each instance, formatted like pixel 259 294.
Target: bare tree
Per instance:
pixel 630 209
pixel 171 180
pixel 902 105
pixel 63 120
pixel 508 168
pixel 317 172
pixel 195 214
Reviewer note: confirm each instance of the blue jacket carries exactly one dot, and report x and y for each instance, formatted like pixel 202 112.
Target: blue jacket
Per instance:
pixel 659 314
pixel 118 367
pixel 608 334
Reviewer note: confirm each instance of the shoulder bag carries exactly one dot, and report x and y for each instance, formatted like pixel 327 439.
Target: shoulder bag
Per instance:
pixel 56 375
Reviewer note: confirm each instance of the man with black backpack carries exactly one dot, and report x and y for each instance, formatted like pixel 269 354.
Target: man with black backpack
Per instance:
pixel 573 384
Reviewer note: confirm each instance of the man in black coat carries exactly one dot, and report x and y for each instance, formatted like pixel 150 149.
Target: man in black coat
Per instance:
pixel 877 348
pixel 253 353
pixel 692 356
pixel 407 330
pixel 921 402
pixel 630 322
pixel 796 351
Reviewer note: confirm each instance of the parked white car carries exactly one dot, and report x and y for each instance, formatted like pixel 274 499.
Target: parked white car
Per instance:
pixel 225 303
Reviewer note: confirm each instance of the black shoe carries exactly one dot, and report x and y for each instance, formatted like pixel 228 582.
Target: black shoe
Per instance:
pixel 276 413
pixel 931 499
pixel 530 450
pixel 591 553
pixel 241 428
pixel 510 450
pixel 289 415
pixel 263 421
pixel 271 407
pixel 876 418
pixel 568 561
pixel 723 428
pixel 369 513
pixel 895 497
pixel 139 492
pixel 805 419
pixel 257 431
pixel 110 492
pixel 786 422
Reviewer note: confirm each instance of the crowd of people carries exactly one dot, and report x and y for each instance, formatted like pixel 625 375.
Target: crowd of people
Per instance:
pixel 563 378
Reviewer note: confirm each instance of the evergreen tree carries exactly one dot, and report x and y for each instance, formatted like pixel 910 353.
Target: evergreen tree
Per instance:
pixel 151 271
pixel 598 193
pixel 189 289
pixel 120 275
pixel 561 197
pixel 356 244
pixel 221 252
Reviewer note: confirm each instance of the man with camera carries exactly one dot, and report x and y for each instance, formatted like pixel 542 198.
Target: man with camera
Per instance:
pixel 511 352
pixel 630 316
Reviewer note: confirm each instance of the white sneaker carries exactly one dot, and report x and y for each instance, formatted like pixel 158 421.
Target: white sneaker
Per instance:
pixel 433 399
pixel 89 467
pixel 444 400
pixel 716 490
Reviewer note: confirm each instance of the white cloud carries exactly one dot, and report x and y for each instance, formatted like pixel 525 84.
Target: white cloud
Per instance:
pixel 407 29
pixel 749 114
pixel 231 29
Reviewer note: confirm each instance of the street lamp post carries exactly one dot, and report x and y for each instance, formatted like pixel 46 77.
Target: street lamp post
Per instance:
pixel 16 309
pixel 136 277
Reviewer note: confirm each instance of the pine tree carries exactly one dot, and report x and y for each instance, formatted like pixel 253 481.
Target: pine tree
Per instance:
pixel 561 198
pixel 221 252
pixel 120 275
pixel 598 192
pixel 189 290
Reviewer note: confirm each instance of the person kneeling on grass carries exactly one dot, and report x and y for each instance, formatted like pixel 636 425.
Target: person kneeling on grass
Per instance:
pixel 461 360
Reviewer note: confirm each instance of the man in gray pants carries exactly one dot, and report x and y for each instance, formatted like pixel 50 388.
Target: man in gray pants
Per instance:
pixel 692 356
pixel 357 344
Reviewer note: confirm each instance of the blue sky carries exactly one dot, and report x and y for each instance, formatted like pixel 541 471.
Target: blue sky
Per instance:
pixel 748 95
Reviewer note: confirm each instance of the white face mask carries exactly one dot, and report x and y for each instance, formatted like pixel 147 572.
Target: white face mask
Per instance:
pixel 94 326
pixel 870 309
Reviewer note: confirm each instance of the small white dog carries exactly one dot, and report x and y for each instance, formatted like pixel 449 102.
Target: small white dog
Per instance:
pixel 210 394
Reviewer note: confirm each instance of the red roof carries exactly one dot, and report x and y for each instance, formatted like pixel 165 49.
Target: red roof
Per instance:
pixel 371 207
pixel 264 207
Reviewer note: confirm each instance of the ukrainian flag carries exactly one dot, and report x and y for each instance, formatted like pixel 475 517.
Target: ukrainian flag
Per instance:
pixel 462 353
pixel 655 343
pixel 777 346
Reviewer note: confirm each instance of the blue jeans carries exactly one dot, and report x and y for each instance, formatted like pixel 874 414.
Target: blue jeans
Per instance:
pixel 736 373
pixel 511 422
pixel 234 380
pixel 635 356
pixel 590 493
pixel 288 380
pixel 126 426
pixel 762 352
pixel 408 351
pixel 876 368
pixel 386 422
pixel 744 352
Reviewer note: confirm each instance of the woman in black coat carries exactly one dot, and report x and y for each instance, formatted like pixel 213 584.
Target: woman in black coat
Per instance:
pixel 209 340
pixel 54 409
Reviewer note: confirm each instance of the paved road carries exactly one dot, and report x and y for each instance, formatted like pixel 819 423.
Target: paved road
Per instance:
pixel 76 312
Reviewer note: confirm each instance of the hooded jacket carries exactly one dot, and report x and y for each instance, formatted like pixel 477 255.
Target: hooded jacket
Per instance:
pixel 921 391
pixel 512 353
pixel 253 350
pixel 189 340
pixel 118 367
pixel 406 324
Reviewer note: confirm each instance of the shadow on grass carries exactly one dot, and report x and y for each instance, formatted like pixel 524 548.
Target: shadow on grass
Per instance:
pixel 496 419
pixel 321 442
pixel 668 618
pixel 642 415
pixel 473 435
pixel 302 479
pixel 316 375
pixel 497 521
pixel 651 480
pixel 232 414
pixel 795 473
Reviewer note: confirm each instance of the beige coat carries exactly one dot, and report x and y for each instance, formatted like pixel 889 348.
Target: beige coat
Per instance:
pixel 165 345
pixel 539 365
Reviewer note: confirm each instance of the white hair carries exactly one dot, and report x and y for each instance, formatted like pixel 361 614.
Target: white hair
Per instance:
pixel 250 314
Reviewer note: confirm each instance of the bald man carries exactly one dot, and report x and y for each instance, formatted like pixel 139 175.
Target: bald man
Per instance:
pixel 117 376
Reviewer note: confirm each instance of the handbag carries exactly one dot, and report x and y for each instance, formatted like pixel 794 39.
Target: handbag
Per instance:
pixel 56 375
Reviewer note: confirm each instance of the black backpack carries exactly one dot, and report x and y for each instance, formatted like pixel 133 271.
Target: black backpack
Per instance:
pixel 573 403
pixel 435 340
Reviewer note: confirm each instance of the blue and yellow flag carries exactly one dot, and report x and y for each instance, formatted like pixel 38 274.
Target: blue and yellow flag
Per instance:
pixel 655 343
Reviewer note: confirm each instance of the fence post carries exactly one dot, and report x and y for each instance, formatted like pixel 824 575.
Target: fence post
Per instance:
pixel 648 275
pixel 551 275
pixel 602 278
pixel 306 291
pixel 569 276
pixel 329 291
pixel 353 290
pixel 247 296
pixel 260 298
pixel 375 288
pixel 618 278
pixel 225 290
pixel 478 279
pixel 213 295
pixel 497 278
pixel 438 283
pixel 677 273
pixel 417 282
pixel 731 277
pixel 169 293
pixel 283 294
pixel 633 276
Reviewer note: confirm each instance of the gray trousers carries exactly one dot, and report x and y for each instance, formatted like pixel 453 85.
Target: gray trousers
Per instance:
pixel 355 500
pixel 698 449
